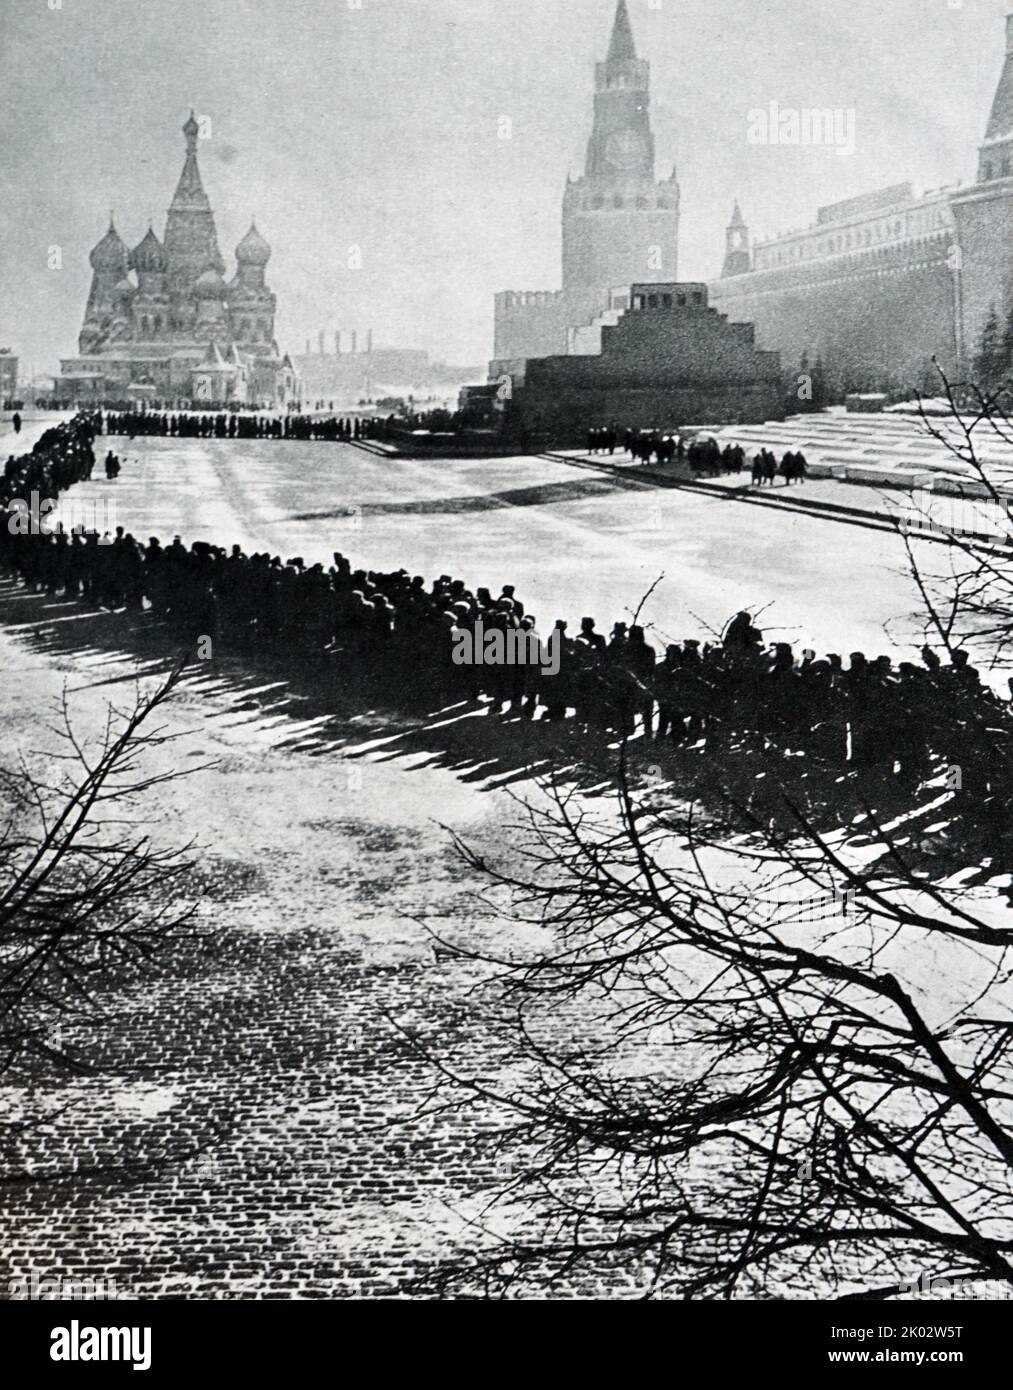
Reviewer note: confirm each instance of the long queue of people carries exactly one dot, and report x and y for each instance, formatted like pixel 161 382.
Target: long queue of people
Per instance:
pixel 233 425
pixel 61 457
pixel 705 456
pixel 733 688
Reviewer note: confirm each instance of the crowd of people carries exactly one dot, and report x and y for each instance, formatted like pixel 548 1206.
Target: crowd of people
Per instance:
pixel 704 455
pixel 232 425
pixel 707 458
pixel 793 468
pixel 735 686
pixel 63 456
pixel 236 425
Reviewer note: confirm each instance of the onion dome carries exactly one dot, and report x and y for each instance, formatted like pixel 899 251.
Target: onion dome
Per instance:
pixel 148 256
pixel 110 254
pixel 210 285
pixel 253 249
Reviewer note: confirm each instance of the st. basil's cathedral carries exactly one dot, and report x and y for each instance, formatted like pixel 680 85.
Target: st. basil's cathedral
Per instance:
pixel 178 332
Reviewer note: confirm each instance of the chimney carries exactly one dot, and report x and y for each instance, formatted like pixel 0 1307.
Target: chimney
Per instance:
pixel 355 342
pixel 320 342
pixel 369 341
pixel 337 343
pixel 308 348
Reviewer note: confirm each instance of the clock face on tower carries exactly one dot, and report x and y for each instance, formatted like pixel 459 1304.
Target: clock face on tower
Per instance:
pixel 624 149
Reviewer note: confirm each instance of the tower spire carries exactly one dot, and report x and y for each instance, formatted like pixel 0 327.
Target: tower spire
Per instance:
pixel 622 146
pixel 190 193
pixel 1000 122
pixel 622 49
pixel 996 161
pixel 191 241
pixel 737 260
pixel 618 207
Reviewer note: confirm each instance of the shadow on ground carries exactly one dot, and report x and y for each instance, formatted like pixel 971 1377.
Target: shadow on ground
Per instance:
pixel 327 709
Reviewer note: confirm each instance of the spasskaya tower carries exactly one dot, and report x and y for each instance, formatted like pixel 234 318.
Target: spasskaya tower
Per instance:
pixel 620 225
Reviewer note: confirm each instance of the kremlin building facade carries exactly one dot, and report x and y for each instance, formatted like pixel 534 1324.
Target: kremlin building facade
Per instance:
pixel 881 284
pixel 163 324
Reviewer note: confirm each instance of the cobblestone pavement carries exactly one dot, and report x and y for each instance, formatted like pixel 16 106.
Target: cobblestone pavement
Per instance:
pixel 235 1137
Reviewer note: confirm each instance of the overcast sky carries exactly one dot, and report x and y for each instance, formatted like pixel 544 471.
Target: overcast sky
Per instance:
pixel 376 123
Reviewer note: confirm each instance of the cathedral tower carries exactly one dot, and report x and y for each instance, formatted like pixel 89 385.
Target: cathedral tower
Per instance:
pixel 251 303
pixel 151 305
pixel 109 263
pixel 619 225
pixel 191 241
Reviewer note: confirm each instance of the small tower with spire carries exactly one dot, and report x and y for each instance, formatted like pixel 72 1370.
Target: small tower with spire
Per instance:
pixel 995 160
pixel 737 261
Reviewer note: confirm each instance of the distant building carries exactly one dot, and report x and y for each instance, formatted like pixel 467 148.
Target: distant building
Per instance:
pixel 882 283
pixel 162 322
pixel 620 224
pixel 348 377
pixel 8 375
pixel 669 360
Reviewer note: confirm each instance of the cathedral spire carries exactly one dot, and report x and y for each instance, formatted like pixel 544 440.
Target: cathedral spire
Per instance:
pixel 622 48
pixel 190 195
pixel 191 241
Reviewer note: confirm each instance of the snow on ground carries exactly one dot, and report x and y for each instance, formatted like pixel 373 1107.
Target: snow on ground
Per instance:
pixel 34 424
pixel 273 1062
pixel 261 1079
pixel 574 543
